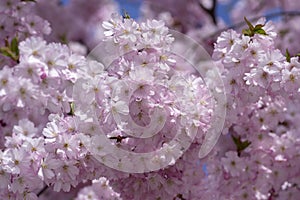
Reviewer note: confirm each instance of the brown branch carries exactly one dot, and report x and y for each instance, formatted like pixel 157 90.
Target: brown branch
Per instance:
pixel 42 190
pixel 211 11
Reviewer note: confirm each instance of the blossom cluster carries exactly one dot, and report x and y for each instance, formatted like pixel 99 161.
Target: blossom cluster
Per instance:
pixel 41 83
pixel 143 92
pixel 151 104
pixel 261 157
pixel 60 158
pixel 17 21
pixel 128 120
pixel 99 189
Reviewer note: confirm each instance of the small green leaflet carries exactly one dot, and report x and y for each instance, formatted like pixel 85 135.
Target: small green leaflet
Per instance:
pixel 126 15
pixel 11 49
pixel 240 146
pixel 252 30
pixel 288 55
pixel 72 109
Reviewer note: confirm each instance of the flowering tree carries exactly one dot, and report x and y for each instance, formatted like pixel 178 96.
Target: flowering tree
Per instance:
pixel 105 107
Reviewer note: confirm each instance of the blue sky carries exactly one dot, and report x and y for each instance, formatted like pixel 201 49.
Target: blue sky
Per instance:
pixel 132 7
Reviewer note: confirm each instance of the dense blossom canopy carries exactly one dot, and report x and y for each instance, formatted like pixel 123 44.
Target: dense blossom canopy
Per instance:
pixel 95 105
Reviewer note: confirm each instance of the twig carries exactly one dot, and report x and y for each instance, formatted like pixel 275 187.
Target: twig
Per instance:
pixel 211 11
pixel 42 190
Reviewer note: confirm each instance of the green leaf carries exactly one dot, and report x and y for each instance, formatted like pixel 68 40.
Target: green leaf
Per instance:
pixel 288 55
pixel 72 109
pixel 240 146
pixel 251 31
pixel 261 31
pixel 247 32
pixel 11 49
pixel 5 51
pixel 258 26
pixel 6 42
pixel 126 15
pixel 14 46
pixel 63 38
pixel 251 27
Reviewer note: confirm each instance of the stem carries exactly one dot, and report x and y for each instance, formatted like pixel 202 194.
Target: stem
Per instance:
pixel 240 24
pixel 211 11
pixel 42 190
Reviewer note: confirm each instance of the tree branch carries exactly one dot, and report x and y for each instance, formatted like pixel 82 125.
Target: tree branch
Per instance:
pixel 42 190
pixel 211 11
